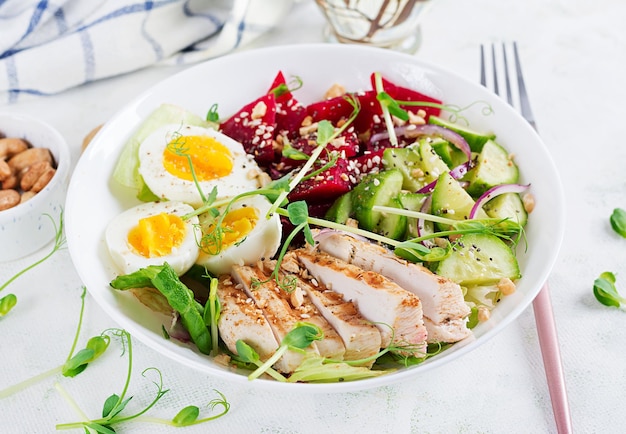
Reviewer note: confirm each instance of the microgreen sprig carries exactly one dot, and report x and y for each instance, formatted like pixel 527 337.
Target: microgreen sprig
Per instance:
pixel 212 311
pixel 115 404
pixel 7 303
pixel 392 107
pixel 605 291
pixel 59 244
pixel 326 133
pixel 75 362
pixel 178 147
pixel 618 221
pixel 299 338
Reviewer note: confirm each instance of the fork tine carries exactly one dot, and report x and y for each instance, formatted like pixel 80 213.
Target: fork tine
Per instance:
pixel 483 73
pixel 507 79
pixel 523 95
pixel 496 89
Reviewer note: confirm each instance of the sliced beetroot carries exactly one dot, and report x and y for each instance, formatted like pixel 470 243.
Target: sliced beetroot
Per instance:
pixel 325 187
pixel 332 110
pixel 400 93
pixel 289 111
pixel 369 114
pixel 254 126
pixel 347 144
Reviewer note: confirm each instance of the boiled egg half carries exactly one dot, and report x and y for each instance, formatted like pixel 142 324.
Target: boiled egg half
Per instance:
pixel 243 237
pixel 153 233
pixel 174 154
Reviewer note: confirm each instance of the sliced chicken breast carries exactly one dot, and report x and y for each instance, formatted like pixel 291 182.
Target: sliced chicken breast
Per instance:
pixel 331 346
pixel 240 318
pixel 442 300
pixel 396 312
pixel 278 313
pixel 360 338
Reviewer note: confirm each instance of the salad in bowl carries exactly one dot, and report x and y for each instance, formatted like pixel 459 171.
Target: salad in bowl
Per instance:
pixel 315 228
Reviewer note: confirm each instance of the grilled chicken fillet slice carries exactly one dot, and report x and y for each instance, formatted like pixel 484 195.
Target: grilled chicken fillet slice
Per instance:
pixel 331 346
pixel 278 313
pixel 445 310
pixel 396 312
pixel 240 318
pixel 360 338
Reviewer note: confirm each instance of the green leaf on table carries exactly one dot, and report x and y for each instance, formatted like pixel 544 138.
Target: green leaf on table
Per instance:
pixel 186 416
pixel 7 303
pixel 605 290
pixel 618 221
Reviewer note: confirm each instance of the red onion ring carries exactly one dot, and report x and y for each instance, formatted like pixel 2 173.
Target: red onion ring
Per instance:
pixel 496 191
pixel 414 131
pixel 457 173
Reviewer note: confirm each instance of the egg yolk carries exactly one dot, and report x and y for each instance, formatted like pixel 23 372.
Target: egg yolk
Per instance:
pixel 210 159
pixel 157 235
pixel 235 226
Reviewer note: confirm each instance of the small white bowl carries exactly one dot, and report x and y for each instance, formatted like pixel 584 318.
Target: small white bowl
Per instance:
pixel 27 227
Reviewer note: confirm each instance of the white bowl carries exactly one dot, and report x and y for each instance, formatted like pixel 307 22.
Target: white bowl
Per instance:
pixel 27 227
pixel 231 81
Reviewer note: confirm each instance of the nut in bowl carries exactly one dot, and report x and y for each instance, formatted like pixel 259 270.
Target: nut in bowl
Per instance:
pixel 97 196
pixel 34 172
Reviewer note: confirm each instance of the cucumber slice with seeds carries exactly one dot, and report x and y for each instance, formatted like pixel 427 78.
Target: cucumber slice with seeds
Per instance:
pixel 392 225
pixel 494 167
pixel 507 205
pixel 375 189
pixel 341 209
pixel 479 259
pixel 452 201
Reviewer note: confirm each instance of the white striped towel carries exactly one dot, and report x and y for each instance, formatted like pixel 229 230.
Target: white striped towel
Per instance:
pixel 48 46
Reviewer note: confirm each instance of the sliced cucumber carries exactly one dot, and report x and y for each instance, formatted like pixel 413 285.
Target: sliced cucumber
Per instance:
pixel 479 259
pixel 450 154
pixel 432 164
pixel 507 205
pixel 450 200
pixel 419 163
pixel 409 162
pixel 494 166
pixel 341 209
pixel 474 139
pixel 375 189
pixel 392 225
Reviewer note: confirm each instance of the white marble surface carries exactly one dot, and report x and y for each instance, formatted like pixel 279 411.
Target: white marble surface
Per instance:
pixel 574 55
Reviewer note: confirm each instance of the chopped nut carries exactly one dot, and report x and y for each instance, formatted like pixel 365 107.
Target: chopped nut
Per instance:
pixel 506 286
pixel 259 110
pixel 416 119
pixel 483 314
pixel 529 202
pixel 335 91
pixel 297 298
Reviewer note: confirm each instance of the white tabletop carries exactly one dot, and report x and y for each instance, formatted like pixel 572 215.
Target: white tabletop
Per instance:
pixel 574 59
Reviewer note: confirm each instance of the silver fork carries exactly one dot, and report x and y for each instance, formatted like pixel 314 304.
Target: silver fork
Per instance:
pixel 542 305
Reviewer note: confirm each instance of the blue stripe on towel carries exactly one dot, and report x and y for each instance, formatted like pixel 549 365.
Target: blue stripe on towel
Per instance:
pixel 41 7
pixel 59 18
pixel 12 78
pixel 156 47
pixel 88 54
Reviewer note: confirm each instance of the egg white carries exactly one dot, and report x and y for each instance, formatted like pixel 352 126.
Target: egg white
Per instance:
pixel 128 260
pixel 242 178
pixel 262 241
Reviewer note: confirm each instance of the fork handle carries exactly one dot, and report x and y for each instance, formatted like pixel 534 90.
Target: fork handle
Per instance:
pixel 546 329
